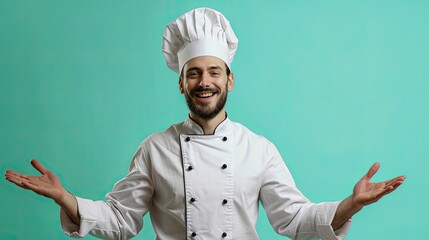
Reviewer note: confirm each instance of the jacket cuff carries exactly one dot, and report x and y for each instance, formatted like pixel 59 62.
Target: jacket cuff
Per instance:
pixel 323 224
pixel 87 211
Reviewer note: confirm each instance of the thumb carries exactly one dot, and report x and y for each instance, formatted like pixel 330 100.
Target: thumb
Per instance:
pixel 37 165
pixel 372 170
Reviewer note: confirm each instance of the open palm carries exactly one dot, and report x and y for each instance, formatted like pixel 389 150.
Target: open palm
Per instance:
pixel 366 192
pixel 48 184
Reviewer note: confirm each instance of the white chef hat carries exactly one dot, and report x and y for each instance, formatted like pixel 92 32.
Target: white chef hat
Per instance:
pixel 199 32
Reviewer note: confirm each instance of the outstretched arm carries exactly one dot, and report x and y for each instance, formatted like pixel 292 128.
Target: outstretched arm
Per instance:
pixel 364 193
pixel 48 185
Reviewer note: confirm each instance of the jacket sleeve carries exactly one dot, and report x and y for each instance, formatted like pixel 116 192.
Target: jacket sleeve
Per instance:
pixel 289 211
pixel 121 215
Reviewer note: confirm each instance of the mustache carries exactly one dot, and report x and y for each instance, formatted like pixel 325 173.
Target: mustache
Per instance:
pixel 205 89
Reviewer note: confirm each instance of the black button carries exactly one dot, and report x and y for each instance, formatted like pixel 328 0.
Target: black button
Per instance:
pixel 187 139
pixel 194 234
pixel 190 168
pixel 224 166
pixel 193 199
pixel 224 201
pixel 224 235
pixel 224 139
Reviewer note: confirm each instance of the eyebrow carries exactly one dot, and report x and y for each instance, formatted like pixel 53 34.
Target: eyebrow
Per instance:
pixel 215 67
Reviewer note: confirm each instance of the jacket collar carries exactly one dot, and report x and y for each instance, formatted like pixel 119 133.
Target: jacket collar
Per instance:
pixel 195 128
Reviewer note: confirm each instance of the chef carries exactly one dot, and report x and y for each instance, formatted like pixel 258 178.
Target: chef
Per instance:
pixel 205 177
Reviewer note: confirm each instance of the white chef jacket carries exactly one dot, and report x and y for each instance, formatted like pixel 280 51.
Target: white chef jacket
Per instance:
pixel 198 186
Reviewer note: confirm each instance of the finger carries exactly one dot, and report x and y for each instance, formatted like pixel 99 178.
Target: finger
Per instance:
pixel 37 165
pixel 16 180
pixel 394 181
pixel 15 174
pixel 372 170
pixel 390 188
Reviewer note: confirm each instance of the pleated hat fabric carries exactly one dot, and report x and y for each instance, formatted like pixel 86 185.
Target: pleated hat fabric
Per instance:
pixel 199 32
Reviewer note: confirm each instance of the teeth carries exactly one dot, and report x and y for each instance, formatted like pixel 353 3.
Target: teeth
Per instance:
pixel 204 95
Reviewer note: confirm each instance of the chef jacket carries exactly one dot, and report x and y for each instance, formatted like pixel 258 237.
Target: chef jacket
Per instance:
pixel 198 186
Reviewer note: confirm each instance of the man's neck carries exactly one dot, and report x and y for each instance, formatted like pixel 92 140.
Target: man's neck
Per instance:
pixel 209 126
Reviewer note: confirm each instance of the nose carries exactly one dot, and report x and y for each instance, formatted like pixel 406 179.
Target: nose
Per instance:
pixel 205 80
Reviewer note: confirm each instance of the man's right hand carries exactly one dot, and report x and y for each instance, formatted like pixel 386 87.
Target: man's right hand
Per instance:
pixel 48 185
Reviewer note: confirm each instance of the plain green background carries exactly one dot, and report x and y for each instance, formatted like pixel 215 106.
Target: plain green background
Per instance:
pixel 336 85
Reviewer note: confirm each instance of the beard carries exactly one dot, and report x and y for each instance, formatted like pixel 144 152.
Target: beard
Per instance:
pixel 203 110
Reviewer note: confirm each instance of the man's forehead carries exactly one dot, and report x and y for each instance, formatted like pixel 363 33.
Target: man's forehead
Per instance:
pixel 205 62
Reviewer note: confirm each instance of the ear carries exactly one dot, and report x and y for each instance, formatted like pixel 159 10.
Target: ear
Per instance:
pixel 181 85
pixel 230 81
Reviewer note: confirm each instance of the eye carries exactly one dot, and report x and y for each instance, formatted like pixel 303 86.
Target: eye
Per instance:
pixel 215 73
pixel 193 74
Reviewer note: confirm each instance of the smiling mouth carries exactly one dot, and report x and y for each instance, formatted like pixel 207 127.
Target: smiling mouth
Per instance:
pixel 204 94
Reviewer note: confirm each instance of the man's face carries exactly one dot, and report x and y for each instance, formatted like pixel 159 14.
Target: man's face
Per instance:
pixel 205 85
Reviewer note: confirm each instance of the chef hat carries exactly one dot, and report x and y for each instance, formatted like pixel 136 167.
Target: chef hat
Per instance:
pixel 199 32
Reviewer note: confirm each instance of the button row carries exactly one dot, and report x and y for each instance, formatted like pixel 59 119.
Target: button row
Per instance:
pixel 194 234
pixel 187 139
pixel 190 168
pixel 194 199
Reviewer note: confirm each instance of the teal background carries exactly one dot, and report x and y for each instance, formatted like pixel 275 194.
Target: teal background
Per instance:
pixel 336 85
